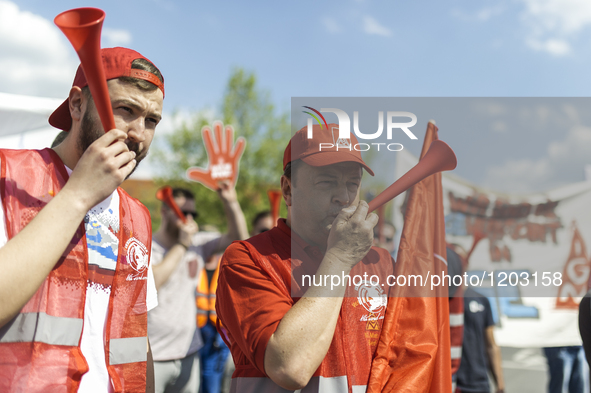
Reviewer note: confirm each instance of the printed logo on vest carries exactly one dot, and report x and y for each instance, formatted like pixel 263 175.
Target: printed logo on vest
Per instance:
pixel 374 300
pixel 137 257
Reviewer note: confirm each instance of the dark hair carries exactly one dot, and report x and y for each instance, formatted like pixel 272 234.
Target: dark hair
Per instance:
pixel 260 216
pixel 139 64
pixel 291 168
pixel 179 191
pixel 59 138
pixel 144 65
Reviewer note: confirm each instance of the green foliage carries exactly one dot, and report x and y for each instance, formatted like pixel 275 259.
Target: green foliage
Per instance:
pixel 252 114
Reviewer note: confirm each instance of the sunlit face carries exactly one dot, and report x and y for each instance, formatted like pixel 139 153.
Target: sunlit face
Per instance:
pixel 318 194
pixel 136 112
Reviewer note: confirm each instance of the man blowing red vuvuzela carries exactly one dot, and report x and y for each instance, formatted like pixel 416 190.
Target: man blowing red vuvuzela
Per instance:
pixel 285 331
pixel 76 282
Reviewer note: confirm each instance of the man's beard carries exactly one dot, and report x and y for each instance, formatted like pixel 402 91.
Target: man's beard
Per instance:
pixel 89 133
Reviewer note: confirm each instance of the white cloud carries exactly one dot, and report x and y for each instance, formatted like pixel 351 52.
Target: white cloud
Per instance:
pixel 331 25
pixel 372 26
pixel 564 162
pixel 554 24
pixel 35 59
pixel 115 37
pixel 481 15
pixel 556 47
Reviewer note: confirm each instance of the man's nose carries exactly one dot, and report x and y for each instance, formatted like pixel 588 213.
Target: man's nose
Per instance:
pixel 136 130
pixel 341 195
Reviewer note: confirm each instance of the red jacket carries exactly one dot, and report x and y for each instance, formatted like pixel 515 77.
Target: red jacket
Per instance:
pixel 40 347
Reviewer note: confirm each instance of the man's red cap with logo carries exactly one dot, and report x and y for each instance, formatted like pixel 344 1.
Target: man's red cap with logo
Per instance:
pixel 116 63
pixel 308 150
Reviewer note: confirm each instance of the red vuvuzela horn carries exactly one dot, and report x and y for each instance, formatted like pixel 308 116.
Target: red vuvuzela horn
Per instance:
pixel 165 195
pixel 82 26
pixel 440 157
pixel 275 201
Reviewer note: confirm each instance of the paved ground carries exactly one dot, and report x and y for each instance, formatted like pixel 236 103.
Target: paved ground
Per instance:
pixel 525 370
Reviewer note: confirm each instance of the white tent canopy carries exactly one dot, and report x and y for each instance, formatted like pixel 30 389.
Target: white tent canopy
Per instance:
pixel 23 121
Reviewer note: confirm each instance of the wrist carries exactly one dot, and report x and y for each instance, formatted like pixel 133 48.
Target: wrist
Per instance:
pixel 335 259
pixel 183 245
pixel 230 201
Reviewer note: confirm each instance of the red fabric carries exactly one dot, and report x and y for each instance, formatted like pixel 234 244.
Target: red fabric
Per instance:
pixel 413 352
pixel 116 64
pixel 254 293
pixel 29 180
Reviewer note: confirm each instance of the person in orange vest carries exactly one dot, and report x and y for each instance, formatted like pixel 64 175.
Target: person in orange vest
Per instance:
pixel 214 352
pixel 285 331
pixel 76 282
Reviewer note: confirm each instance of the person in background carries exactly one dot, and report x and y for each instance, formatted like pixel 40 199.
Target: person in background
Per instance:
pixel 479 350
pixel 262 222
pixel 385 237
pixel 179 251
pixel 214 353
pixel 456 263
pixel 568 369
pixel 585 327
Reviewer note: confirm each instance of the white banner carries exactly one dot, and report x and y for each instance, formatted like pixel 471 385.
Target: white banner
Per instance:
pixel 533 262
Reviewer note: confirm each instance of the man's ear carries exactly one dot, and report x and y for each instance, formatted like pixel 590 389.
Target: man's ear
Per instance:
pixel 286 189
pixel 76 101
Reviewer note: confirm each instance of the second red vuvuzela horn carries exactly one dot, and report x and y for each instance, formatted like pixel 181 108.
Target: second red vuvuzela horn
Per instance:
pixel 440 157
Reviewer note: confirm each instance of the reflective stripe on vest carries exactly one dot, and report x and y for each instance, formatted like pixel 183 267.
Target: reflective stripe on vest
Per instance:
pixel 43 328
pixel 40 347
pixel 456 320
pixel 316 385
pixel 456 352
pixel 128 350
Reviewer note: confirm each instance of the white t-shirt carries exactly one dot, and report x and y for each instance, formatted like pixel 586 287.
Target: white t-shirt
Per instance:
pixel 102 226
pixel 172 326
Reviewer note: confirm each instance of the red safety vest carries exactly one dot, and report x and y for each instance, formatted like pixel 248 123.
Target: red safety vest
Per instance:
pixel 205 299
pixel 40 347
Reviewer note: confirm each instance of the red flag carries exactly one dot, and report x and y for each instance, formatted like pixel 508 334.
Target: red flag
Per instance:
pixel 413 353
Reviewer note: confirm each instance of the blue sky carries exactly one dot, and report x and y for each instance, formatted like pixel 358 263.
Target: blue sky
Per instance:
pixel 455 48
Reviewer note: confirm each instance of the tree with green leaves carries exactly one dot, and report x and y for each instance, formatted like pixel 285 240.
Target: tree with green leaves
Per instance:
pixel 249 109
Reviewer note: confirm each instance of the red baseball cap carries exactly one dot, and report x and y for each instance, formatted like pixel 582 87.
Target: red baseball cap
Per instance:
pixel 116 63
pixel 309 150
